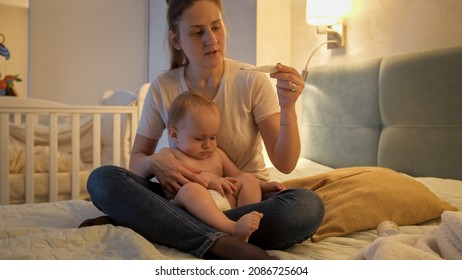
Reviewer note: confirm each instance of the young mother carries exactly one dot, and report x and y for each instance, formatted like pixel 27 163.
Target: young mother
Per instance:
pixel 250 110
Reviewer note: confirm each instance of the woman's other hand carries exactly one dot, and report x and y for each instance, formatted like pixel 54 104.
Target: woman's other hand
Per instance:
pixel 173 173
pixel 169 171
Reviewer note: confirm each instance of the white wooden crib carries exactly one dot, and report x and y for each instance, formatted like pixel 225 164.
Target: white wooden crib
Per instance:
pixel 48 149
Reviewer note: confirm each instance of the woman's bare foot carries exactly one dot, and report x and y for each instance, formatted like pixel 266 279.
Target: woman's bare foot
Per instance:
pixel 246 225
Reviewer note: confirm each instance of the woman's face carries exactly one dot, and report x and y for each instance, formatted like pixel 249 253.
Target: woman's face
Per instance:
pixel 202 35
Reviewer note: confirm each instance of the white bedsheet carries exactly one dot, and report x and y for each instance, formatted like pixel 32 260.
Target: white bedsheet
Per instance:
pixel 49 231
pixel 443 242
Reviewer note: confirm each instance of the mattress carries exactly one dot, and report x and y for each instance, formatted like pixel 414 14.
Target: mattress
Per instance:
pixel 41 189
pixel 49 230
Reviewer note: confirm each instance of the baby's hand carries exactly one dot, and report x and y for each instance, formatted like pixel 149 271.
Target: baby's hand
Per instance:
pixel 223 185
pixel 272 186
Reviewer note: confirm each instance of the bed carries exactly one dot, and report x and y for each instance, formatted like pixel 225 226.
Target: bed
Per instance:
pixel 381 140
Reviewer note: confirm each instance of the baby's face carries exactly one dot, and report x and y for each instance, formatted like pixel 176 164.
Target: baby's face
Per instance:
pixel 197 133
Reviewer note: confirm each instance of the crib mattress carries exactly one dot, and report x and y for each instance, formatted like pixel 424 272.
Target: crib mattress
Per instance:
pixel 49 230
pixel 41 187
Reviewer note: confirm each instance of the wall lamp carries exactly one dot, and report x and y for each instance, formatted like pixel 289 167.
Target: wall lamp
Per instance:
pixel 328 16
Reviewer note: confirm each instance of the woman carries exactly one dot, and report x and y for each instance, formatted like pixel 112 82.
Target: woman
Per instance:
pixel 250 111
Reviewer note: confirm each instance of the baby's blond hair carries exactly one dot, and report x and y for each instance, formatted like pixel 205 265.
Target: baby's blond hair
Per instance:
pixel 187 100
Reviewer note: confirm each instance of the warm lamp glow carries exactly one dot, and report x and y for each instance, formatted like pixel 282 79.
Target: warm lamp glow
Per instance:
pixel 327 16
pixel 327 12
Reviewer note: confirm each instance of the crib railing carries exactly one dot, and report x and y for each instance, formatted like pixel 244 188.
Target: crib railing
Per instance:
pixel 15 114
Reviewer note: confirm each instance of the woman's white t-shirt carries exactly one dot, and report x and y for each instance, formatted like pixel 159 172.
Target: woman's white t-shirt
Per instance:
pixel 244 98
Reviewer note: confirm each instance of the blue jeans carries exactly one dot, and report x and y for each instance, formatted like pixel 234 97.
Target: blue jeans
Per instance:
pixel 289 217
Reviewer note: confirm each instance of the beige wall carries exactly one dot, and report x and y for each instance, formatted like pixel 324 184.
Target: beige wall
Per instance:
pixel 13 25
pixel 273 32
pixel 380 28
pixel 81 48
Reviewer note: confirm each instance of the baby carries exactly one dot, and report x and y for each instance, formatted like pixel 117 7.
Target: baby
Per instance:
pixel 193 125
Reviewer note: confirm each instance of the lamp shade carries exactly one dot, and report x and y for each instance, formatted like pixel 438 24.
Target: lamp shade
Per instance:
pixel 327 12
